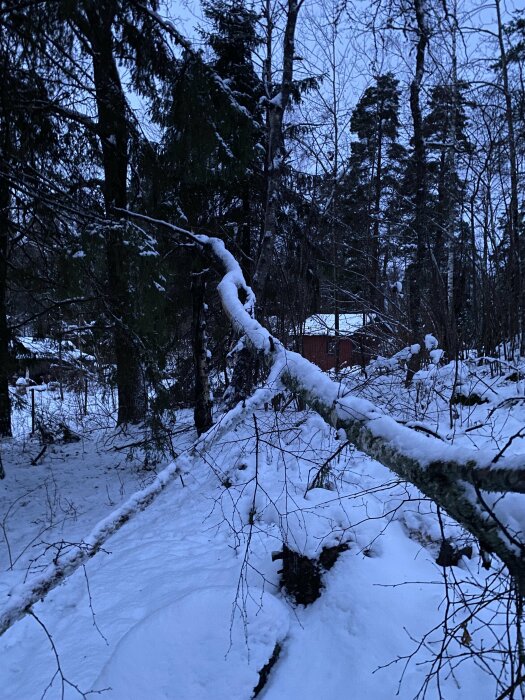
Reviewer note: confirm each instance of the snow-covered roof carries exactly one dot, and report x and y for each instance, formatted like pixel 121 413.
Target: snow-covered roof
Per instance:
pixel 49 349
pixel 324 324
pixel 39 347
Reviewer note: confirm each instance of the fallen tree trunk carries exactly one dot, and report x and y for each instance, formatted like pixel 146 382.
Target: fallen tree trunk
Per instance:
pixel 453 478
pixel 442 472
pixel 23 597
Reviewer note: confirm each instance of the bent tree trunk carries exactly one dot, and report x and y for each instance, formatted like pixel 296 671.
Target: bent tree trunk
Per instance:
pixel 455 479
pixel 113 131
pixel 452 478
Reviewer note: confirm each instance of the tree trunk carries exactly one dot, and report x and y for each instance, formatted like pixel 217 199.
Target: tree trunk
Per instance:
pixel 451 170
pixel 113 131
pixel 203 405
pixel 415 272
pixel 5 404
pixel 275 155
pixel 5 200
pixel 246 236
pixel 375 296
pixel 517 305
pixel 453 478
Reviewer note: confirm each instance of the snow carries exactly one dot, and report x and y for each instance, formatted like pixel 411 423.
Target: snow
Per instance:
pixel 186 597
pixel 431 343
pixel 162 655
pixel 436 355
pixel 324 324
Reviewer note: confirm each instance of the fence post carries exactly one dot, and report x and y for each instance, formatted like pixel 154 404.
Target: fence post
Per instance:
pixel 32 411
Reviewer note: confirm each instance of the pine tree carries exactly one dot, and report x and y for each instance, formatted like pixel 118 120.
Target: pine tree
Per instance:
pixel 371 187
pixel 444 129
pixel 213 143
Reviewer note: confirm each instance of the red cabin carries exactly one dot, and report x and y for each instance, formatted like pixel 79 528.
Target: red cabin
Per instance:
pixel 319 340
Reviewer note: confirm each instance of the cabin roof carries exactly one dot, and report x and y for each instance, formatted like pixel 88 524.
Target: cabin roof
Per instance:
pixel 324 324
pixel 27 347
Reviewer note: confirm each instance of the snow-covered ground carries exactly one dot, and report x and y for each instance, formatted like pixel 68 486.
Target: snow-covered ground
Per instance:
pixel 184 602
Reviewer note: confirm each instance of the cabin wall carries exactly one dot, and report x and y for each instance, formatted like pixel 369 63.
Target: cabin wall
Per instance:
pixel 315 349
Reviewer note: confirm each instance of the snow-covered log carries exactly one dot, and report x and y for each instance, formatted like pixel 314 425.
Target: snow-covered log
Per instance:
pixel 384 438
pixel 454 478
pixel 24 596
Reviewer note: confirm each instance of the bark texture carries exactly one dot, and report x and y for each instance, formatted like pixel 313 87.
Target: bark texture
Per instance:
pixel 415 271
pixel 5 197
pixel 203 405
pixel 5 404
pixel 113 132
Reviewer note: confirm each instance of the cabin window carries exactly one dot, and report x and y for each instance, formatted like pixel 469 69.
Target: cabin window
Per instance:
pixel 331 346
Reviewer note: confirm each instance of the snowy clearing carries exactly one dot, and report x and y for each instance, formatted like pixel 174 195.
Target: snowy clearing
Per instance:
pixel 185 601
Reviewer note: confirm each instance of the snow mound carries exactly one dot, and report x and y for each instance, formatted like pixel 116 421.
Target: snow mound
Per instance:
pixel 191 650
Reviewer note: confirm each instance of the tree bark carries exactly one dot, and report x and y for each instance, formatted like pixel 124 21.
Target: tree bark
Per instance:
pixel 275 155
pixel 5 403
pixel 375 295
pixel 451 170
pixel 203 405
pixel 415 272
pixel 446 482
pixel 517 304
pixel 5 199
pixel 113 131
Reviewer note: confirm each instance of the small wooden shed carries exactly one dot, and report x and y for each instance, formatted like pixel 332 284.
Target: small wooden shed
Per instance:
pixel 320 341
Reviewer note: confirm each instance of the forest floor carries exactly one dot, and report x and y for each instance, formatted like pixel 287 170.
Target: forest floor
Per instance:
pixel 185 601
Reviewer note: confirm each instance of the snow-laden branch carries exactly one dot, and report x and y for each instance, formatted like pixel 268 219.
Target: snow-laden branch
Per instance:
pixel 452 477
